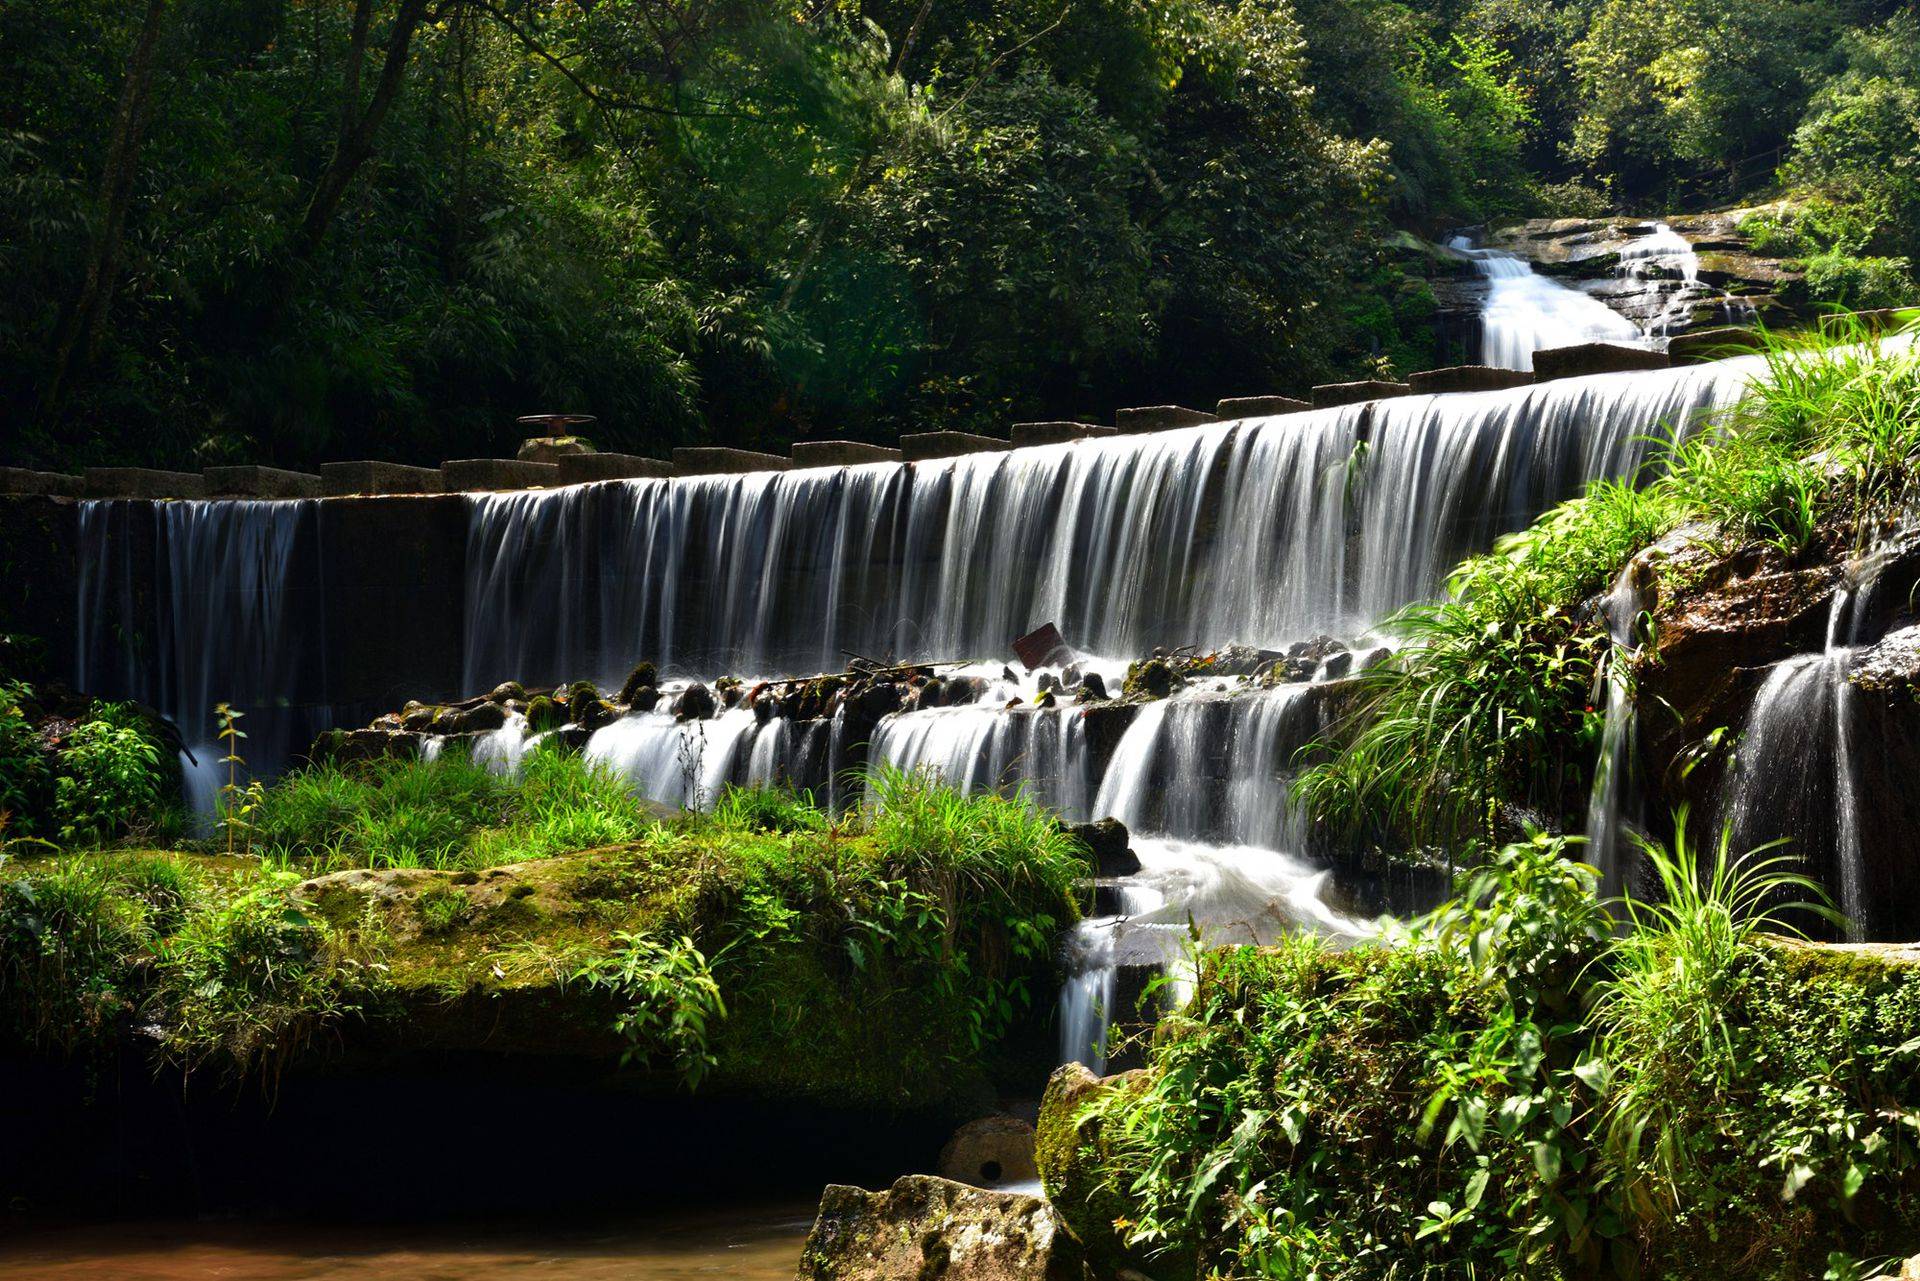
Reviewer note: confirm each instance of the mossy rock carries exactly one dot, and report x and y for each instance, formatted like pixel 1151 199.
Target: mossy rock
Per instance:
pixel 643 676
pixel 544 714
pixel 1075 1161
pixel 1149 678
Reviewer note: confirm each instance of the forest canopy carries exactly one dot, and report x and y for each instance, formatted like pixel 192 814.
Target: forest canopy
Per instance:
pixel 288 231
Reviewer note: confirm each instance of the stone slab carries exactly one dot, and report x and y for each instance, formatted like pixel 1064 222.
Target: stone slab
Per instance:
pixel 1328 395
pixel 1057 433
pixel 461 474
pixel 373 477
pixel 1440 382
pixel 1261 406
pixel 1712 344
pixel 1594 358
pixel 1159 418
pixel 143 482
pixel 579 468
pixel 841 453
pixel 713 460
pixel 22 480
pixel 921 446
pixel 260 482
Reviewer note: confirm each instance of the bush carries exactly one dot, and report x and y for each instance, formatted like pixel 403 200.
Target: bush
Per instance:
pixel 24 779
pixel 109 777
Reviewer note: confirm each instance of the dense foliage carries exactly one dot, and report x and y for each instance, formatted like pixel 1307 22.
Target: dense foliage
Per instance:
pixel 1492 703
pixel 1521 1086
pixel 91 776
pixel 315 229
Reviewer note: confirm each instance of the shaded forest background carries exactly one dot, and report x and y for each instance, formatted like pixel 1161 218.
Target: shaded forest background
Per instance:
pixel 296 230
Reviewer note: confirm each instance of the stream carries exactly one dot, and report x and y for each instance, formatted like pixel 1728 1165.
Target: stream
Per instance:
pixel 744 1243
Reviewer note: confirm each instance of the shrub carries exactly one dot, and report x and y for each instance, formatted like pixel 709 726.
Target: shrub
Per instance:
pixel 23 764
pixel 109 777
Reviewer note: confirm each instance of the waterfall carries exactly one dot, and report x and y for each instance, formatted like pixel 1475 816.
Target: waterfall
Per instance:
pixel 1260 531
pixel 1805 714
pixel 1525 312
pixel 1611 774
pixel 679 763
pixel 986 748
pixel 237 615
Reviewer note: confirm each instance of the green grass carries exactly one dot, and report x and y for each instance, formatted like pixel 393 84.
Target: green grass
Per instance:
pixel 446 813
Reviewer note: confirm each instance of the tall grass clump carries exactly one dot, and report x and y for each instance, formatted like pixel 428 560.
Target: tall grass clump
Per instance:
pixel 445 813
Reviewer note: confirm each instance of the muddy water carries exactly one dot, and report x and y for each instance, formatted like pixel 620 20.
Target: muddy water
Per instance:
pixel 760 1243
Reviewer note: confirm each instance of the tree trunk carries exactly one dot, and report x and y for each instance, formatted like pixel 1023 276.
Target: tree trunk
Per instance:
pixel 358 127
pixel 82 321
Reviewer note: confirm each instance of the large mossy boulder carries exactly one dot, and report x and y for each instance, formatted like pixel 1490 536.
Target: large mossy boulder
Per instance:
pixel 927 1227
pixel 1075 1158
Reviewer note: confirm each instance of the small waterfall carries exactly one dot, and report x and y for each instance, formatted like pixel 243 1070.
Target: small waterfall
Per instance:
pixel 988 748
pixel 238 616
pixel 681 763
pixel 1803 714
pixel 1611 776
pixel 1525 312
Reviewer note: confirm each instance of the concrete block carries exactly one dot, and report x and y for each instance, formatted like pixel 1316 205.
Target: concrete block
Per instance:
pixel 20 480
pixel 462 474
pixel 1438 382
pixel 1328 395
pixel 1057 433
pixel 577 468
pixel 1261 406
pixel 260 482
pixel 1594 358
pixel 841 453
pixel 712 460
pixel 142 482
pixel 1711 344
pixel 1159 418
pixel 373 477
pixel 922 446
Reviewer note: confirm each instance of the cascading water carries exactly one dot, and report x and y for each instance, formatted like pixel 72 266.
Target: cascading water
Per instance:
pixel 1806 711
pixel 1612 775
pixel 1261 531
pixel 238 617
pixel 1525 312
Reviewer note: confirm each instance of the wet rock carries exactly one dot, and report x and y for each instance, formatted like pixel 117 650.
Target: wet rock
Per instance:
pixel 1149 678
pixel 1045 698
pixel 644 676
pixel 644 699
pixel 990 1152
pixel 882 698
pixel 730 690
pixel 573 737
pixel 925 1227
pixel 1371 658
pixel 592 714
pixel 1239 660
pixel 1334 666
pixel 1107 841
pixel 346 746
pixel 418 717
pixel 1891 667
pixel 544 714
pixel 932 693
pixel 507 691
pixel 472 720
pixel 1091 686
pixel 1045 682
pixel 695 703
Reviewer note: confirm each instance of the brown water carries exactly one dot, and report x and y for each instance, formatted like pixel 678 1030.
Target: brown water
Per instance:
pixel 757 1244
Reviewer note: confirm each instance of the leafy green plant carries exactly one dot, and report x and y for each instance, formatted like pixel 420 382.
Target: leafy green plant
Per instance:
pixel 109 777
pixel 669 1001
pixel 24 775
